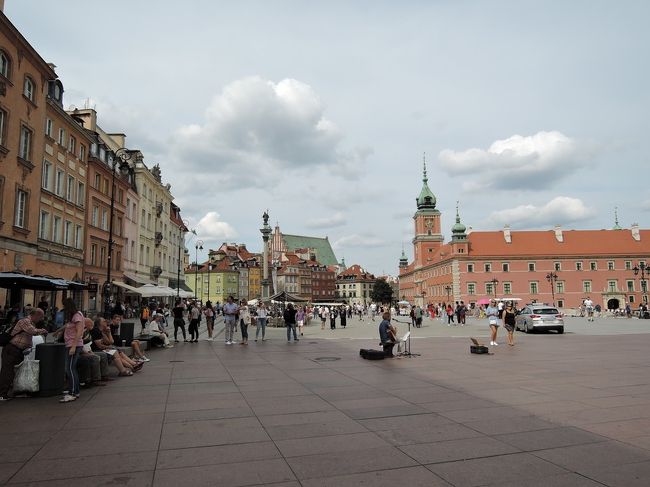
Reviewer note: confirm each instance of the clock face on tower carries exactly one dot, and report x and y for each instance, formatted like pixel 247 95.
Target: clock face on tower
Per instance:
pixel 428 223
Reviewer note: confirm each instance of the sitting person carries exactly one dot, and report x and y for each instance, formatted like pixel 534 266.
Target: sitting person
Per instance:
pixel 103 342
pixel 114 326
pixel 387 335
pixel 156 327
pixel 92 366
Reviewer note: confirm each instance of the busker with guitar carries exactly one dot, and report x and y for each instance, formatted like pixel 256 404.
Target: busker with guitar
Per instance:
pixel 387 335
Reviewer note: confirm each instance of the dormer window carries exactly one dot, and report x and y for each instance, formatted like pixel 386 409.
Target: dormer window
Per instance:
pixel 5 65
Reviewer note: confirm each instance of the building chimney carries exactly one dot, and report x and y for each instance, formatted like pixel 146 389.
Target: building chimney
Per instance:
pixel 636 234
pixel 558 233
pixel 506 234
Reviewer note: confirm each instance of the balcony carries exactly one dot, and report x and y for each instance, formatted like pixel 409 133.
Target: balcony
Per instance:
pixel 159 208
pixel 158 238
pixel 156 271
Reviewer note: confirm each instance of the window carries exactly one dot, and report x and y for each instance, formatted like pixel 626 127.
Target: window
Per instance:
pixel 72 145
pixel 534 287
pixel 118 228
pixel 470 267
pixel 505 267
pixel 142 219
pixel 61 137
pixel 44 225
pixel 5 65
pixel 488 267
pixel 81 194
pixel 58 183
pixel 610 265
pixel 3 127
pixel 25 147
pixel 631 299
pixel 507 288
pixel 132 251
pixel 48 127
pixel 489 288
pixel 95 215
pixel 29 88
pixel 578 266
pixel 69 193
pixel 56 229
pixel 557 266
pixel 128 208
pixel 593 266
pixel 78 236
pixel 102 256
pixel 93 254
pixel 586 286
pixel 98 181
pixel 560 303
pixel 67 233
pixel 644 286
pixel 82 152
pixel 102 154
pixel 531 267
pixel 104 219
pixel 559 287
pixel 20 217
pixel 93 149
pixel 46 176
pixel 612 286
pixel 630 286
pixel 141 259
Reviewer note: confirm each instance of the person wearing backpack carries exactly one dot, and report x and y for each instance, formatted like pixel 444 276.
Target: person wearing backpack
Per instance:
pixel 144 316
pixel 12 353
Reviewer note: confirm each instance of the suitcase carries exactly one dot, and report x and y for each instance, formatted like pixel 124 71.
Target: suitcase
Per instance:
pixel 477 347
pixel 370 354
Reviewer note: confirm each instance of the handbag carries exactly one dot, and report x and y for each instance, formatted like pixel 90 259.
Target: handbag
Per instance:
pixel 27 373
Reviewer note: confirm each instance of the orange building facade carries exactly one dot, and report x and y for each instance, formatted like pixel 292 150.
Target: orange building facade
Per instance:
pixel 554 266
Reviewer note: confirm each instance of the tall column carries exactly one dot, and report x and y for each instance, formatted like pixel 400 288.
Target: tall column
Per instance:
pixel 266 232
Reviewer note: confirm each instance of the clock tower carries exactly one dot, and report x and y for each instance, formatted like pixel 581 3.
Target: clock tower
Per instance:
pixel 428 237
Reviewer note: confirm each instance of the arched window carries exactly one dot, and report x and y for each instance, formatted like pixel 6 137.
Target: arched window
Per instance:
pixel 29 88
pixel 5 64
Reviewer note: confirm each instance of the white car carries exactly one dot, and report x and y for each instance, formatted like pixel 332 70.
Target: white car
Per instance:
pixel 539 317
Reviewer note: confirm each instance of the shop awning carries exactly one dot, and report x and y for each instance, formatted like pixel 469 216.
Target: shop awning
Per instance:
pixel 38 283
pixel 126 287
pixel 136 278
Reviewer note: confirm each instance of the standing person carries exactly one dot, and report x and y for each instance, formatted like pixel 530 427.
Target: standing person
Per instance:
pixel 333 319
pixel 230 309
pixel 418 317
pixel 290 321
pixel 300 319
pixel 144 316
pixel 244 321
pixel 262 316
pixel 73 337
pixel 589 308
pixel 509 322
pixel 12 352
pixel 492 313
pixel 463 313
pixel 179 321
pixel 43 304
pixel 195 318
pixel 344 321
pixel 209 319
pixel 323 316
pixel 458 312
pixel 450 314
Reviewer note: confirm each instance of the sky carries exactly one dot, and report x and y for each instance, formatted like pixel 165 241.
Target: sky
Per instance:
pixel 531 113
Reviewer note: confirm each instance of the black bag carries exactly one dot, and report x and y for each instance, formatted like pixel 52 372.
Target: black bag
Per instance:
pixel 5 335
pixel 480 349
pixel 370 354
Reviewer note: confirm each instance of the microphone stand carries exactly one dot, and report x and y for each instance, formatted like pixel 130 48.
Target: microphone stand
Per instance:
pixel 407 347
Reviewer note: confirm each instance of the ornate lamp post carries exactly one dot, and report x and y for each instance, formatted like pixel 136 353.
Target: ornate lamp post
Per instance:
pixel 552 278
pixel 494 282
pixel 197 246
pixel 645 271
pixel 448 289
pixel 266 233
pixel 117 162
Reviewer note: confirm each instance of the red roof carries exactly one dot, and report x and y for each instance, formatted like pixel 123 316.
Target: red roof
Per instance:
pixel 356 271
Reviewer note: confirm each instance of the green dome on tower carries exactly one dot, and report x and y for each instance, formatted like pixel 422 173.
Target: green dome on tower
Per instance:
pixel 458 230
pixel 426 200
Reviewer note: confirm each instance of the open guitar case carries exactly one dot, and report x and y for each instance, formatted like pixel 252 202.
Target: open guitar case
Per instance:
pixel 370 354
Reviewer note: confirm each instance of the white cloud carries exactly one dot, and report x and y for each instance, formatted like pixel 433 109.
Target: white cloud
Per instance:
pixel 533 162
pixel 257 132
pixel 560 210
pixel 357 240
pixel 335 220
pixel 210 228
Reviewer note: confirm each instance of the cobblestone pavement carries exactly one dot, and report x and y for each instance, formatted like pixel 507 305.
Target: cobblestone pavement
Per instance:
pixel 555 410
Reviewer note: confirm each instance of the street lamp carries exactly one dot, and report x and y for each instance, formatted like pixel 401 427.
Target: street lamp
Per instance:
pixel 448 289
pixel 645 271
pixel 494 282
pixel 118 161
pixel 552 278
pixel 181 239
pixel 198 246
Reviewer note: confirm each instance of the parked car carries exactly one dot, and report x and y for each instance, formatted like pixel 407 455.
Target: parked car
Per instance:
pixel 539 317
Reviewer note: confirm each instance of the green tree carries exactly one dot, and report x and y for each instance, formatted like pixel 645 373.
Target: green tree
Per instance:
pixel 382 292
